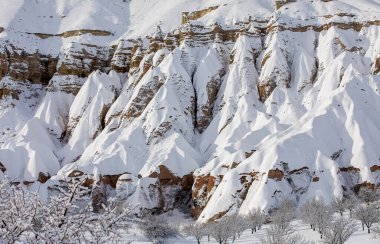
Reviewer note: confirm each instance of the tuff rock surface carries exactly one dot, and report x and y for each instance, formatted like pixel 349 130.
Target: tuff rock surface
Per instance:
pixel 217 106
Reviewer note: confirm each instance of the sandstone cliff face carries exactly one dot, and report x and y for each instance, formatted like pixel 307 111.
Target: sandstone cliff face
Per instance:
pixel 23 66
pixel 220 115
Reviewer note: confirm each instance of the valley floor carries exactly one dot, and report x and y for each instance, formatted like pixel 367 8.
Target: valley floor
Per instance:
pixel 359 237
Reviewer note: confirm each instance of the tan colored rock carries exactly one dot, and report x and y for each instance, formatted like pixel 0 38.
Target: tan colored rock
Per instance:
pixel 349 169
pixel 172 191
pixel 82 63
pixel 246 181
pixel 186 16
pixel 159 132
pixel 200 191
pixel 376 66
pixel 7 91
pixel 72 33
pixel 110 180
pixel 218 216
pixel 42 177
pixel 75 173
pixel 122 55
pixel 205 110
pixel 19 65
pixel 375 168
pixel 280 3
pixel 145 95
pixel 165 176
pixel 137 56
pixel 266 89
pixel 275 174
pixel 357 26
pixel 364 184
pixel 315 179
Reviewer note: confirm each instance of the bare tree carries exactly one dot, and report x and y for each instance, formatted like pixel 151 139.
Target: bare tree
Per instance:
pixel 351 203
pixel 368 215
pixel 66 218
pixel 339 205
pixel 307 212
pixel 157 229
pixel 69 209
pixel 285 213
pixel 18 212
pixel 221 230
pixel 196 230
pixel 238 225
pixel 339 231
pixel 317 214
pixel 281 230
pixel 23 216
pixel 322 216
pixel 275 234
pixel 255 219
pixel 106 225
pixel 368 195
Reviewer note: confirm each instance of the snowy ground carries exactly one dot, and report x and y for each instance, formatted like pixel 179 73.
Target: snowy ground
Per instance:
pixel 303 229
pixel 359 236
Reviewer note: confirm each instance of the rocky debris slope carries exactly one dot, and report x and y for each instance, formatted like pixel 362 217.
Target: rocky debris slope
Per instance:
pixel 221 106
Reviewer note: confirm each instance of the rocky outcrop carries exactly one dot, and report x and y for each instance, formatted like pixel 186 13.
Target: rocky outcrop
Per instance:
pixel 166 190
pixel 2 167
pixel 7 91
pixel 376 66
pixel 280 3
pixel 123 52
pixel 364 185
pixel 82 59
pixel 229 100
pixel 357 26
pixel 188 16
pixel 20 65
pixel 275 174
pixel 72 33
pixel 42 177
pixel 144 96
pixel 202 190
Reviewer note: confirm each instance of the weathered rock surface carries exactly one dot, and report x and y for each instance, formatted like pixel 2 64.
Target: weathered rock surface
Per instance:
pixel 221 108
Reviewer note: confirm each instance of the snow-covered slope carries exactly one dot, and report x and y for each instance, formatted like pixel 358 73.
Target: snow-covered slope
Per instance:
pixel 222 105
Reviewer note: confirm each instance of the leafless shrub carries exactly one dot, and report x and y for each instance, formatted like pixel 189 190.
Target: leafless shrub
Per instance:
pixel 66 218
pixel 157 228
pixel 284 214
pixel 255 219
pixel 196 230
pixel 106 226
pixel 221 230
pixel 367 215
pixel 18 214
pixel 368 195
pixel 351 203
pixel 317 214
pixel 275 234
pixel 339 205
pixel 339 231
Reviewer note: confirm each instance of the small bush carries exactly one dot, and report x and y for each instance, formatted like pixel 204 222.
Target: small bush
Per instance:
pixel 157 229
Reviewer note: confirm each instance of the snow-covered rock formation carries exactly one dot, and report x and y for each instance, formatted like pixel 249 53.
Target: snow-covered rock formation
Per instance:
pixel 221 106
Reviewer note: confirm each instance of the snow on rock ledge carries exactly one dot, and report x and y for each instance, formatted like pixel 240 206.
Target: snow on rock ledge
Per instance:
pixel 88 111
pixel 251 103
